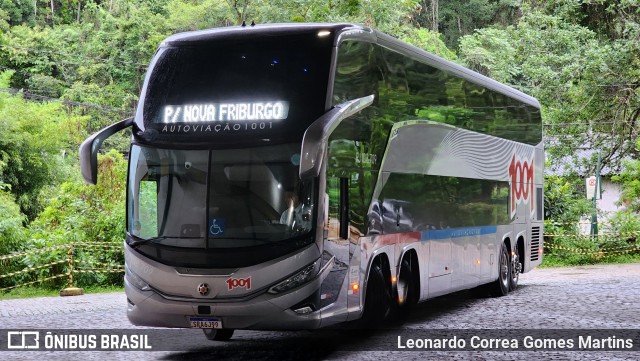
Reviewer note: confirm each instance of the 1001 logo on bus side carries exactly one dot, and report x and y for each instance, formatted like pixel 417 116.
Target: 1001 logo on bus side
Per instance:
pixel 521 179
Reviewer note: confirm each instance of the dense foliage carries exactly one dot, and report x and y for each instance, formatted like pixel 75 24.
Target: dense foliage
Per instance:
pixel 584 70
pixel 70 67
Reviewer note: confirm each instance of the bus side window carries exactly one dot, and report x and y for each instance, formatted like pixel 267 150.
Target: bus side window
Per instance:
pixel 333 192
pixel 338 194
pixel 147 223
pixel 344 208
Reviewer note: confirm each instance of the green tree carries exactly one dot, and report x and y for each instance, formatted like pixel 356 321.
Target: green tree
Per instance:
pixel 456 18
pixel 587 84
pixel 18 11
pixel 33 137
pixel 429 41
pixel 12 233
pixel 76 212
pixel 389 16
pixel 629 178
pixel 188 16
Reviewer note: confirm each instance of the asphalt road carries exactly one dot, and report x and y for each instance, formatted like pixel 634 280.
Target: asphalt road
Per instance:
pixel 578 298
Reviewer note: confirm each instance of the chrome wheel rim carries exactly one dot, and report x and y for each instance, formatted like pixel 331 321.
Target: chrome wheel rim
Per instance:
pixel 504 270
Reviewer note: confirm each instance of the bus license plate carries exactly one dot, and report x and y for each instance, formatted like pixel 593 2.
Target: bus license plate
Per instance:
pixel 205 322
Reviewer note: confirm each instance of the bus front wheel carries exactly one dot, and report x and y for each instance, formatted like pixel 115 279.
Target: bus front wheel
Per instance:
pixel 377 304
pixel 223 334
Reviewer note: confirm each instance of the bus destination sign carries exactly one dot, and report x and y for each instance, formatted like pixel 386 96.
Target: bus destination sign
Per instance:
pixel 220 112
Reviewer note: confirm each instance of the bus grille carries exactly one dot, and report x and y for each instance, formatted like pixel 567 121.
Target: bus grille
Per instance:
pixel 535 243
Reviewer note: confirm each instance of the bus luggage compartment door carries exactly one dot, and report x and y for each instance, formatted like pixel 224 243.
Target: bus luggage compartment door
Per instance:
pixel 439 265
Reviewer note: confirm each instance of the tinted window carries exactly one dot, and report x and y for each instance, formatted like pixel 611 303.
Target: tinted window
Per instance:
pixel 433 202
pixel 407 89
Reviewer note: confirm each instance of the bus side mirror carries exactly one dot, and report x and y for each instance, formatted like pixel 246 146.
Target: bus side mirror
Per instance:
pixel 89 149
pixel 316 136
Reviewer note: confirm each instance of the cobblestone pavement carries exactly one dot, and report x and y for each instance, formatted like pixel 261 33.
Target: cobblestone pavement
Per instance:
pixel 590 297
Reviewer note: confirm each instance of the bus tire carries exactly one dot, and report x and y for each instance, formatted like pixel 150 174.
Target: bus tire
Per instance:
pixel 514 270
pixel 223 334
pixel 407 287
pixel 377 304
pixel 500 287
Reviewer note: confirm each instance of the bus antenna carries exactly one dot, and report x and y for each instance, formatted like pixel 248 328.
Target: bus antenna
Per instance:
pixel 244 23
pixel 253 23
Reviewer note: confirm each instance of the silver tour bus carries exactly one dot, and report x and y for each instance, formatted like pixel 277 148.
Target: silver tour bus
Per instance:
pixel 295 176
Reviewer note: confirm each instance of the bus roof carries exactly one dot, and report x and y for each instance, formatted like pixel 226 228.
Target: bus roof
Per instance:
pixel 248 31
pixel 352 31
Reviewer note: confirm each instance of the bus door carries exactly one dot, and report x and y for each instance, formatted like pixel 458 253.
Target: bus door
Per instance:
pixel 332 158
pixel 346 221
pixel 335 243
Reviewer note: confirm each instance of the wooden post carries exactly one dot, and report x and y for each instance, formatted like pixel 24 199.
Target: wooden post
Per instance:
pixel 71 291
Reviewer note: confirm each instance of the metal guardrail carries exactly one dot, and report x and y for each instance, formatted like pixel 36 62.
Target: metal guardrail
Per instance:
pixel 614 251
pixel 74 266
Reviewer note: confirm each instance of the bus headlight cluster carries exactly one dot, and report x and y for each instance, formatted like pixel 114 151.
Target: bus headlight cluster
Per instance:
pixel 135 280
pixel 298 278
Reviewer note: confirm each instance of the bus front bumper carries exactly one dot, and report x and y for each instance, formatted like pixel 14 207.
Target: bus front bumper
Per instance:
pixel 264 312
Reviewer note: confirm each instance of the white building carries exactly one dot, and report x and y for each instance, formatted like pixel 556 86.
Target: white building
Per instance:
pixel 607 205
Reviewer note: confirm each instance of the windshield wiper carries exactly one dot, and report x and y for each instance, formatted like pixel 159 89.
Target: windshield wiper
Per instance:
pixel 135 244
pixel 259 240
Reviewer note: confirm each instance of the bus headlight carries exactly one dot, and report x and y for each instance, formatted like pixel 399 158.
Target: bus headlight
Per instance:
pixel 135 280
pixel 298 278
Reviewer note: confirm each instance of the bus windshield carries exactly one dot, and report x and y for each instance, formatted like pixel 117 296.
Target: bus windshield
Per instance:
pixel 218 199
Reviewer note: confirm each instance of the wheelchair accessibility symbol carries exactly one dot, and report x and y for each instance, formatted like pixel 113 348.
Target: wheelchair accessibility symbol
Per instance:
pixel 216 226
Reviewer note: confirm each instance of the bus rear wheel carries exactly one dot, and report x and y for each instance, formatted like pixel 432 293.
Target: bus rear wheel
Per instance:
pixel 407 287
pixel 515 270
pixel 377 304
pixel 500 287
pixel 223 334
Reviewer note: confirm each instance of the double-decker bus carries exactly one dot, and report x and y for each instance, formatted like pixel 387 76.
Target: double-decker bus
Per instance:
pixel 294 176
